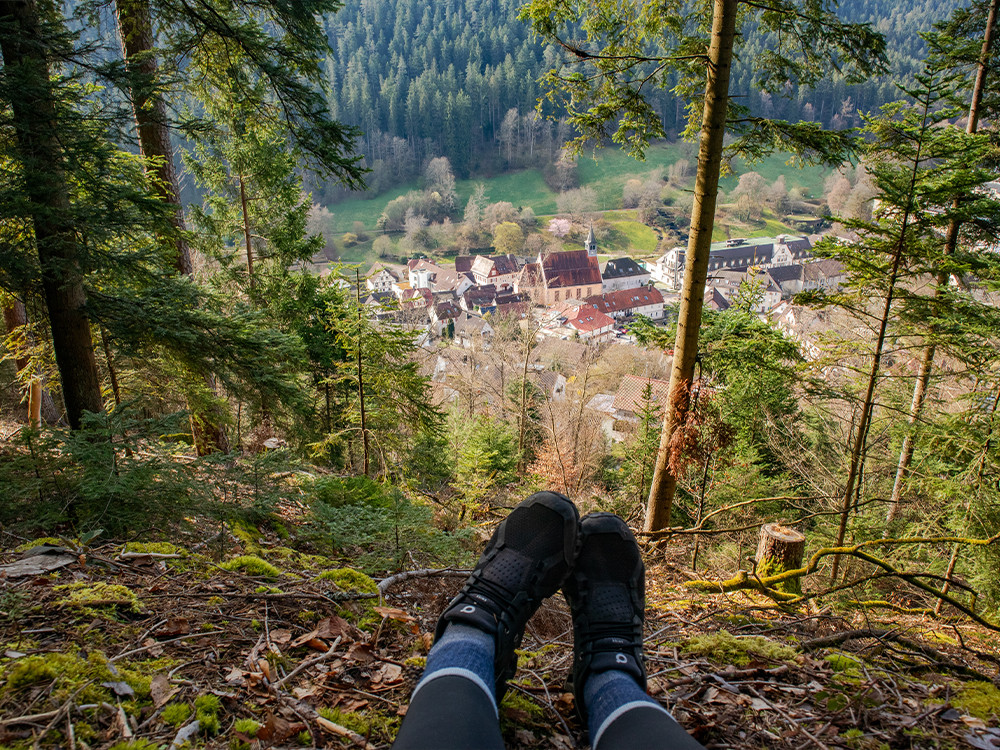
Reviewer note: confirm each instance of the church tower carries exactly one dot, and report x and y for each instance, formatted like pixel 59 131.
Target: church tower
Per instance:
pixel 591 243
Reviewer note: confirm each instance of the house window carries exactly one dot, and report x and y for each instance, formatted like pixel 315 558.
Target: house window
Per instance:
pixel 557 295
pixel 578 292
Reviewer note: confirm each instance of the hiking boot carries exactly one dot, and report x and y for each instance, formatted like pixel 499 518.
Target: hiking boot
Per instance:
pixel 606 594
pixel 527 560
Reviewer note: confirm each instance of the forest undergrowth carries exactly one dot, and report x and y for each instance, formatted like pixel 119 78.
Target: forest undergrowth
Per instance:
pixel 262 630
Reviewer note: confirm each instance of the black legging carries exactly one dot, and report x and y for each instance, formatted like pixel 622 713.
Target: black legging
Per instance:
pixel 453 713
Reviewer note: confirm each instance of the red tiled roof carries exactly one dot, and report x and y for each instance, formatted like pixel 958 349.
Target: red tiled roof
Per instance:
pixel 626 299
pixel 588 318
pixel 570 268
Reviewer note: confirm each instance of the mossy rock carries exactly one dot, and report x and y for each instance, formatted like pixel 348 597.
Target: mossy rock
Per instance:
pixel 99 595
pixel 724 647
pixel 251 565
pixel 980 699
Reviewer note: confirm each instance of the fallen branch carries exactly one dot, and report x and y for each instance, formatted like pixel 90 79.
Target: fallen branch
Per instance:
pixel 386 583
pixel 767 585
pixel 880 634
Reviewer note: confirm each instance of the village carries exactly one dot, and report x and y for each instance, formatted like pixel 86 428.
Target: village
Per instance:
pixel 571 307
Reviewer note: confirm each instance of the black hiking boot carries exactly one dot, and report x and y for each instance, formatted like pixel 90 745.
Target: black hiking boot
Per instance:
pixel 526 561
pixel 606 594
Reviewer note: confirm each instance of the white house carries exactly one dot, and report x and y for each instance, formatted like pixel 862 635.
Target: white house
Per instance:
pixel 623 273
pixel 734 255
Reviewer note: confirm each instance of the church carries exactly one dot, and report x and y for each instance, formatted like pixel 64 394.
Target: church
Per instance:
pixel 565 275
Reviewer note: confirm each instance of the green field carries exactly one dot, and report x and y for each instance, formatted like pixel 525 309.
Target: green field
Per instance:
pixel 607 176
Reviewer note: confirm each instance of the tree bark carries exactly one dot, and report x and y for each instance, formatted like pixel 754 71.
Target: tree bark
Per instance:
pixel 720 54
pixel 780 548
pixel 16 315
pixel 135 27
pixel 951 242
pixel 36 134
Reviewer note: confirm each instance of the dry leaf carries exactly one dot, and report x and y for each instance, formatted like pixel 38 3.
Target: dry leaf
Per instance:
pixel 317 645
pixel 236 676
pixel 304 638
pixel 278 729
pixel 160 690
pixel 361 653
pixel 281 636
pixel 392 613
pixel 265 668
pixel 174 627
pixel 336 627
pixel 153 648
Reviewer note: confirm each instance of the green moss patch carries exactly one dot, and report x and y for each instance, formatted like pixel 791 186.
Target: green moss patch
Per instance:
pixel 155 548
pixel 981 699
pixel 365 723
pixel 252 566
pixel 39 542
pixel 349 579
pixel 99 595
pixel 726 648
pixel 66 673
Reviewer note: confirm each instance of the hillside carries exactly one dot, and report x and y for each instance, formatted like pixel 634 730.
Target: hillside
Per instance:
pixel 240 641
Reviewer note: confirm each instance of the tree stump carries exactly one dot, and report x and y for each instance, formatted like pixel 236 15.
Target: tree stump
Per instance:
pixel 780 549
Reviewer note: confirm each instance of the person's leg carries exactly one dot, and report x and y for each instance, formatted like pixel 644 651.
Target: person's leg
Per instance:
pixel 606 593
pixel 454 706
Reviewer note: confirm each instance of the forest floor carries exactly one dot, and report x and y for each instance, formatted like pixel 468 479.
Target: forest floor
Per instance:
pixel 254 644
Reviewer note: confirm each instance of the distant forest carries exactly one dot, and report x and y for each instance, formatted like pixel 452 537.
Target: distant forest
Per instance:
pixel 459 79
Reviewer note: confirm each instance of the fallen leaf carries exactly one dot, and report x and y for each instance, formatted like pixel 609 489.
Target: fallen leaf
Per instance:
pixel 121 689
pixel 388 673
pixel 174 627
pixel 317 645
pixel 11 654
pixel 361 653
pixel 304 638
pixel 759 705
pixel 236 676
pixel 281 636
pixel 160 690
pixel 277 729
pixel 392 613
pixel 336 627
pixel 265 668
pixel 153 647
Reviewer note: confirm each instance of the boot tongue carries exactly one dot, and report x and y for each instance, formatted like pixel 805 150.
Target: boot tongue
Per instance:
pixel 623 660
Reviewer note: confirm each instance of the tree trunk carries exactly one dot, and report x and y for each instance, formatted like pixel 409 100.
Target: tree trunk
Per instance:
pixel 246 230
pixel 951 242
pixel 361 382
pixel 706 191
pixel 868 404
pixel 780 548
pixel 135 26
pixel 36 134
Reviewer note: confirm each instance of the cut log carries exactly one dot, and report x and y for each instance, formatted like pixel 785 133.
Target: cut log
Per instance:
pixel 780 548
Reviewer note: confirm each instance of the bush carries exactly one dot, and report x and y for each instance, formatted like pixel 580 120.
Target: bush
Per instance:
pixel 379 526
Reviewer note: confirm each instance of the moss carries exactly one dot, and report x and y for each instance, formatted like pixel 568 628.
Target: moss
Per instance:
pixel 99 594
pixel 206 711
pixel 362 613
pixel 215 601
pixel 176 714
pixel 135 745
pixel 67 673
pixel 981 699
pixel 309 615
pixel 349 579
pixel 247 534
pixel 770 567
pixel 517 710
pixel 39 542
pixel 267 590
pixel 251 565
pixel 416 661
pixel 845 666
pixel 726 648
pixel 304 738
pixel 365 723
pixel 246 727
pixel 155 548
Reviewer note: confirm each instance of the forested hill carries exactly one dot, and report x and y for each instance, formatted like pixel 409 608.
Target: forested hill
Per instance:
pixel 426 78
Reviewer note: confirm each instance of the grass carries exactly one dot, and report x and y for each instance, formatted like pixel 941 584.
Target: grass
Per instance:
pixel 607 176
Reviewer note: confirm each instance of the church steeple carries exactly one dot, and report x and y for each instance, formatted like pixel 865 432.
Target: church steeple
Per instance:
pixel 591 244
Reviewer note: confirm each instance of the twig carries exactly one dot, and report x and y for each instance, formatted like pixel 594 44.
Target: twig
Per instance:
pixel 788 718
pixel 309 663
pixel 161 643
